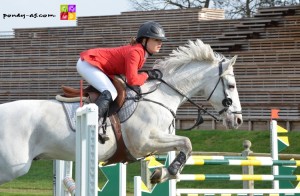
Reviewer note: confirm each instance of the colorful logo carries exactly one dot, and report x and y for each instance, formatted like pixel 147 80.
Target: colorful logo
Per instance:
pixel 67 12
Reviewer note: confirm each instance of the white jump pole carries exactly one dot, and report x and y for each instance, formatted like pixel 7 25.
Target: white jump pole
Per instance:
pixel 236 191
pixel 137 186
pixel 274 153
pixel 171 157
pixel 87 150
pixel 63 169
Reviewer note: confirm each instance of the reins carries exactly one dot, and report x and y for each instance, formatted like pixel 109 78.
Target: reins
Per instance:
pixel 201 109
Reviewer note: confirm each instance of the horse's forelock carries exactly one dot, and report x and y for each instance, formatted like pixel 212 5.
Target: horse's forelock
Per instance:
pixel 193 51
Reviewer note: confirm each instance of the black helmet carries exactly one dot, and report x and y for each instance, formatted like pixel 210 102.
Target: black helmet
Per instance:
pixel 151 29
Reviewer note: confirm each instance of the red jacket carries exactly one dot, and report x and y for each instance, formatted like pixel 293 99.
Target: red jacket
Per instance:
pixel 125 60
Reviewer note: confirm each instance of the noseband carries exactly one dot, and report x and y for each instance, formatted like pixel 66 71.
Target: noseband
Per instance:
pixel 227 101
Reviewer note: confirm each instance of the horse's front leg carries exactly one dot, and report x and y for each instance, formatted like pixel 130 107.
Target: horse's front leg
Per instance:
pixel 177 164
pixel 177 143
pixel 160 175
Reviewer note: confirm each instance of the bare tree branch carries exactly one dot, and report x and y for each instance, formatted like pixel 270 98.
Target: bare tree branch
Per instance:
pixel 233 8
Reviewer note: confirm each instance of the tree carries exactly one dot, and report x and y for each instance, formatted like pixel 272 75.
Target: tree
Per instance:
pixel 233 8
pixel 237 8
pixel 247 8
pixel 146 5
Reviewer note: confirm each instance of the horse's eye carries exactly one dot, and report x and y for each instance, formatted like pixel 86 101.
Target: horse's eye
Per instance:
pixel 231 86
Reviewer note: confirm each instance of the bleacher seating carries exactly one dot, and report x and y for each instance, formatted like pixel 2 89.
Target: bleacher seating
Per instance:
pixel 37 61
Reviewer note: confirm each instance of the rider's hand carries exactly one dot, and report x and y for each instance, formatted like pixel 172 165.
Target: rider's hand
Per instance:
pixel 136 89
pixel 154 74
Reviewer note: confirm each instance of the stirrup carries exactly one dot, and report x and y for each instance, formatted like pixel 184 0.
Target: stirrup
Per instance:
pixel 104 137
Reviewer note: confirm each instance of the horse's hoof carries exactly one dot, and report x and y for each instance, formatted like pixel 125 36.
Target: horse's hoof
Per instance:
pixel 156 176
pixel 159 175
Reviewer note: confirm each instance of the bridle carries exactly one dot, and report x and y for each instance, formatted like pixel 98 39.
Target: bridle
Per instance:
pixel 226 102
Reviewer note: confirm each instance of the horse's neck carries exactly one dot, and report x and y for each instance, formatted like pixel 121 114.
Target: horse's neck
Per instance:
pixel 164 95
pixel 191 79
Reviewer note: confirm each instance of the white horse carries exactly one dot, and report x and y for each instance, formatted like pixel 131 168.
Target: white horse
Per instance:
pixel 38 129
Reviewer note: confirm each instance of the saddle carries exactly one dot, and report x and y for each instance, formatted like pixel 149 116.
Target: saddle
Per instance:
pixel 92 94
pixel 122 153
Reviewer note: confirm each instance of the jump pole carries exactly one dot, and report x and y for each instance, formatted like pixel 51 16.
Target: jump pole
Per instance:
pixel 86 157
pixel 86 144
pixel 64 185
pixel 274 153
pixel 63 169
pixel 87 150
pixel 237 191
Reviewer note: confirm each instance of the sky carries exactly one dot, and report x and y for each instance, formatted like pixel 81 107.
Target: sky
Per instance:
pixel 46 13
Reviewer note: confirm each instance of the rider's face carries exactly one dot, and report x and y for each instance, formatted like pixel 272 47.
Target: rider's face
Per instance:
pixel 154 45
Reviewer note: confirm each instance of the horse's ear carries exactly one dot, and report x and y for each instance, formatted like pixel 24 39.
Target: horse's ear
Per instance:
pixel 229 65
pixel 232 61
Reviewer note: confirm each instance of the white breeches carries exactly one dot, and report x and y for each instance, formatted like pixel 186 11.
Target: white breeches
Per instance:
pixel 96 78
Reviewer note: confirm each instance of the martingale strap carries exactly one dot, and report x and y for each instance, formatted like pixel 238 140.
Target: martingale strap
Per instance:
pixel 198 122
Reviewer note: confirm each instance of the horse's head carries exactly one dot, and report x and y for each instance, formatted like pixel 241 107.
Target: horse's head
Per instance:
pixel 197 68
pixel 223 95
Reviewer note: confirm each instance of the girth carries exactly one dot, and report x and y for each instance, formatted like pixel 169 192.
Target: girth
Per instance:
pixel 122 154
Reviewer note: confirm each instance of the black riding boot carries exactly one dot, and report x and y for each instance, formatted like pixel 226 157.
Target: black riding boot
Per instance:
pixel 103 102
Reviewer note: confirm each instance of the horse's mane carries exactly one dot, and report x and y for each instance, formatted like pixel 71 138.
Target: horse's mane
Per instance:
pixel 193 51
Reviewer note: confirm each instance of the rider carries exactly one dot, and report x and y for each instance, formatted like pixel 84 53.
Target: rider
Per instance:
pixel 97 66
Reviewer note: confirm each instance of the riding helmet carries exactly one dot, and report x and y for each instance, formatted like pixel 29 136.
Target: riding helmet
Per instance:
pixel 150 29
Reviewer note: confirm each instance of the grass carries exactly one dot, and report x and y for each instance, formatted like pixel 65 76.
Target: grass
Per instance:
pixel 39 180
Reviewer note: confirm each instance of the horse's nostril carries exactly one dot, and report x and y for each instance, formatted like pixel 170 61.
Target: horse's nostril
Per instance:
pixel 239 121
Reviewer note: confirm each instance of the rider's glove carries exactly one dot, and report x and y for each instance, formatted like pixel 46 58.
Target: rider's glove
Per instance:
pixel 154 74
pixel 136 89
